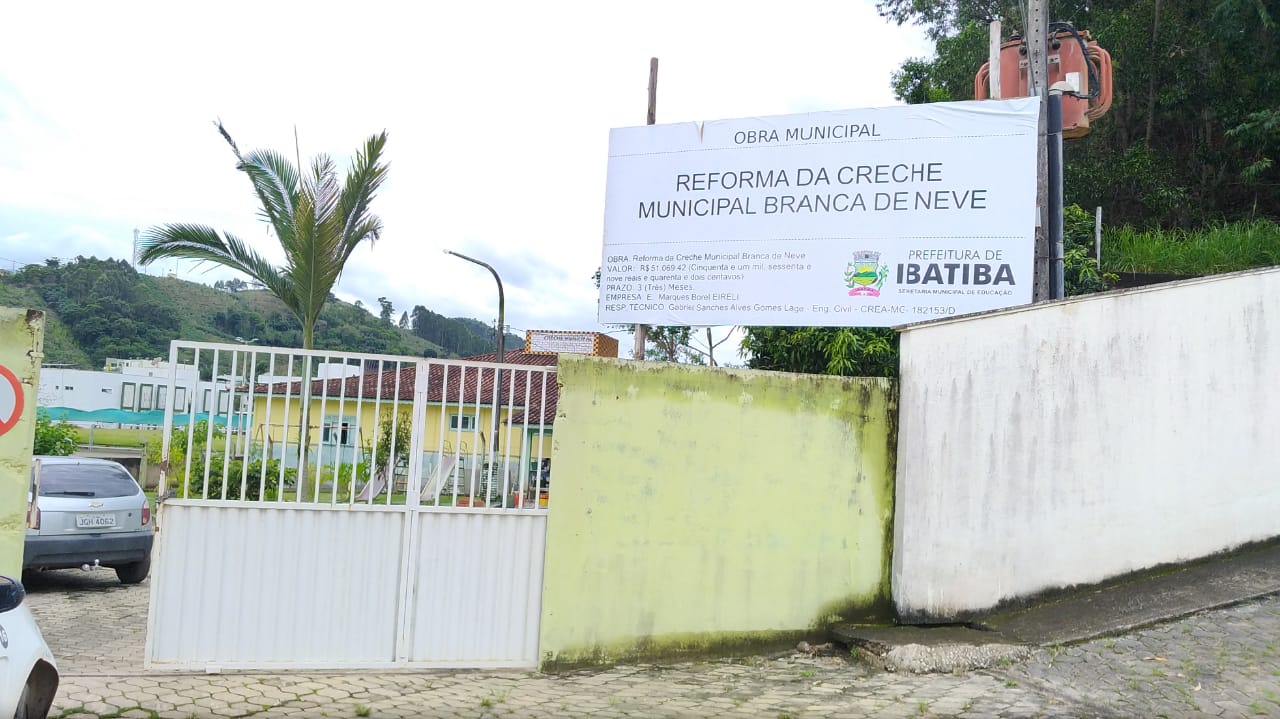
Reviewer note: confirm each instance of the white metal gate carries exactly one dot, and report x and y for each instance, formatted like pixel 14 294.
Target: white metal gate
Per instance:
pixel 332 510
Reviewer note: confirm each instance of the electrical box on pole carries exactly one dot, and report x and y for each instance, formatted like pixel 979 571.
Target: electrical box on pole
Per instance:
pixel 1073 58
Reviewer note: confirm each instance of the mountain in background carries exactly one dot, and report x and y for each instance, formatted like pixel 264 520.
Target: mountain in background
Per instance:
pixel 104 308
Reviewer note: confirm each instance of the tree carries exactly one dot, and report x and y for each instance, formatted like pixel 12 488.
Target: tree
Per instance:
pixel 388 311
pixel 847 351
pixel 667 344
pixel 671 343
pixel 1194 129
pixel 404 320
pixel 318 221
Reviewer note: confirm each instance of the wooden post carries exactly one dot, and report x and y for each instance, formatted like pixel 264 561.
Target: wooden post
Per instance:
pixel 1038 62
pixel 642 331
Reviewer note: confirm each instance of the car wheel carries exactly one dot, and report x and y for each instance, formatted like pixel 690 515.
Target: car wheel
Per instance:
pixel 135 572
pixel 22 704
pixel 37 694
pixel 23 701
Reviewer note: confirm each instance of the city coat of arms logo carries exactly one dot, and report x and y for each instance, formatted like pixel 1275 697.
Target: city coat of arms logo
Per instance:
pixel 864 275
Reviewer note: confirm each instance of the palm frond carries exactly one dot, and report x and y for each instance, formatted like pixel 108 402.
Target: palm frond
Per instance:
pixel 313 263
pixel 205 244
pixel 324 188
pixel 364 178
pixel 371 228
pixel 275 181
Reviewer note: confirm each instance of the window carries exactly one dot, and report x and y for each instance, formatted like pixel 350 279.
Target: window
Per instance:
pixel 162 393
pixel 145 395
pixel 224 399
pixel 180 399
pixel 339 431
pixel 85 480
pixel 127 392
pixel 207 404
pixel 464 422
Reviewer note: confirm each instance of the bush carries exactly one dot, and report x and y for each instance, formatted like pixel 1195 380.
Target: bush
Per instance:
pixel 254 482
pixel 53 438
pixel 1080 271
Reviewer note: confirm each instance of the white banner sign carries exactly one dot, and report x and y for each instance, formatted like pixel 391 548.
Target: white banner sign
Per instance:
pixel 874 217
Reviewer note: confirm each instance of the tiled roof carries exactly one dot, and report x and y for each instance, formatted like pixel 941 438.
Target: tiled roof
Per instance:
pixel 516 357
pixel 448 381
pixel 537 410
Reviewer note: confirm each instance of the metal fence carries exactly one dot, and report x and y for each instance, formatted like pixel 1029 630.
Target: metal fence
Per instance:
pixel 321 427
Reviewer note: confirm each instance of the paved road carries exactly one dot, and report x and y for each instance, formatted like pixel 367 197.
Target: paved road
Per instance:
pixel 1224 663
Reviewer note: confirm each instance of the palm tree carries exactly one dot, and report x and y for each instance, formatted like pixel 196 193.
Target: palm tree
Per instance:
pixel 318 221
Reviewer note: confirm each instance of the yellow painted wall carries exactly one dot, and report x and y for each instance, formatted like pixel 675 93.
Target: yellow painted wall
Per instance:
pixel 698 509
pixel 368 412
pixel 21 347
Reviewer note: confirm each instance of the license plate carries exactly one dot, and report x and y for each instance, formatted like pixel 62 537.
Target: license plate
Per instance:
pixel 95 520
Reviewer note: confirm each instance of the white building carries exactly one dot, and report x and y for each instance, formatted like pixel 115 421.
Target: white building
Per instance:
pixel 135 391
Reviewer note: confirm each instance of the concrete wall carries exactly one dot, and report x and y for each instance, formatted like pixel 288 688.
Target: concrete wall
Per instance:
pixel 1047 447
pixel 21 345
pixel 694 509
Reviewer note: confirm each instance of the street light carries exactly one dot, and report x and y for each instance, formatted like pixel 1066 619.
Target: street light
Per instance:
pixel 497 377
pixel 501 327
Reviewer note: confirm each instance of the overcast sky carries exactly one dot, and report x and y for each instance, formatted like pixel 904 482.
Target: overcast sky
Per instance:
pixel 498 116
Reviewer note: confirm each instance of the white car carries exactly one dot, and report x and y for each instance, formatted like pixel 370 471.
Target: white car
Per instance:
pixel 28 674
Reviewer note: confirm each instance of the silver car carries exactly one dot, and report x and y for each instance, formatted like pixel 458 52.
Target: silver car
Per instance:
pixel 87 513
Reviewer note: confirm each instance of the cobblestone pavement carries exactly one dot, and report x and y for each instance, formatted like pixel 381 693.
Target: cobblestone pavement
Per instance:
pixel 1223 663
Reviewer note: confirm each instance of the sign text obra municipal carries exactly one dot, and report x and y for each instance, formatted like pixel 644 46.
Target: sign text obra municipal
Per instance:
pixel 874 217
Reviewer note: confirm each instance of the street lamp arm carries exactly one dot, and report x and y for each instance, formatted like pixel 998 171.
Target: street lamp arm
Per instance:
pixel 502 327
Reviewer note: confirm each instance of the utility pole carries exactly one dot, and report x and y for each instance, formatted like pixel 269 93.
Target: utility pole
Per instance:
pixel 642 331
pixel 1038 64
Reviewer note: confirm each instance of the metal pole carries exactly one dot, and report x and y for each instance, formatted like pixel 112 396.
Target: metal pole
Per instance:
pixel 1054 140
pixel 642 331
pixel 1097 237
pixel 501 301
pixel 993 60
pixel 502 333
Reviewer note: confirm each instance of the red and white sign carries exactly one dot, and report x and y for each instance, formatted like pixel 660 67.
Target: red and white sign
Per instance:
pixel 10 399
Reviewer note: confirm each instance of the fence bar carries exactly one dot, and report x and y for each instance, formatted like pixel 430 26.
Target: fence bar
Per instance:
pixel 166 440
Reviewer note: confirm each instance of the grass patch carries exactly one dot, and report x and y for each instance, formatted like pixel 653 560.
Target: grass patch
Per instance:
pixel 111 437
pixel 1207 251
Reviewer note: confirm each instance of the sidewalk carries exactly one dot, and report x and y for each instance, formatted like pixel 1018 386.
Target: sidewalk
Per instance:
pixel 1223 662
pixel 1114 608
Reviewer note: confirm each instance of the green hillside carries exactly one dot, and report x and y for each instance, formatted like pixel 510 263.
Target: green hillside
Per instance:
pixel 104 308
pixel 59 346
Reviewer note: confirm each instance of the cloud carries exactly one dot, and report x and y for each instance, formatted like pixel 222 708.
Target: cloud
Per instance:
pixel 498 116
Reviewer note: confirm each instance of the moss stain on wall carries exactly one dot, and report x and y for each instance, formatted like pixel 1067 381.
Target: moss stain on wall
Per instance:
pixel 698 510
